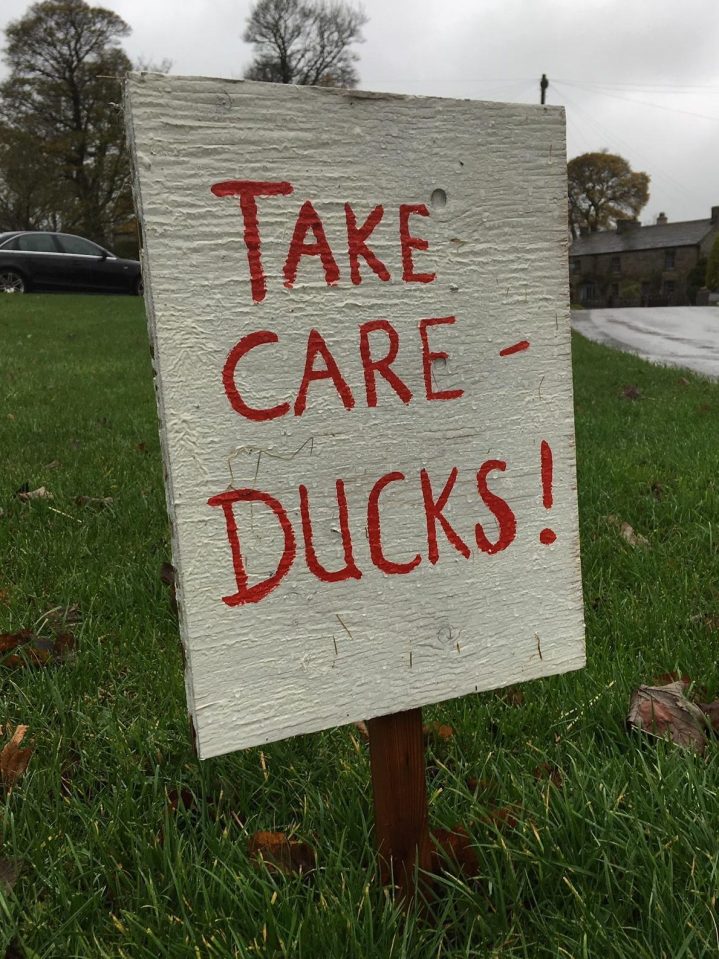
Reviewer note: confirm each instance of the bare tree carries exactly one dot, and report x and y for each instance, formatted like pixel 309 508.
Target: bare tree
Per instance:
pixel 61 98
pixel 304 42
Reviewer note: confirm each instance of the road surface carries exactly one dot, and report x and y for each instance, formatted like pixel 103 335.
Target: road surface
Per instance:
pixel 686 336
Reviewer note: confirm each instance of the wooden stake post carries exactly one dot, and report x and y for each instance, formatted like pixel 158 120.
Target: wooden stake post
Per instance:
pixel 400 798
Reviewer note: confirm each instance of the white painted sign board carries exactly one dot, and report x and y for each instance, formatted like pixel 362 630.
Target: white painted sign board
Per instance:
pixel 359 309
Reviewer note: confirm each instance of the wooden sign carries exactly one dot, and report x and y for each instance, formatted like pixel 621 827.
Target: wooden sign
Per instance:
pixel 359 310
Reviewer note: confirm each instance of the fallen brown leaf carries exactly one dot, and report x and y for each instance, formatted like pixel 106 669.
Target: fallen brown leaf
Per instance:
pixel 502 817
pixel 627 532
pixel 14 759
pixel 279 852
pixel 657 490
pixel 665 713
pixel 633 538
pixel 10 870
pixel 711 711
pixel 60 616
pixel 53 466
pixel 486 788
pixel 141 447
pixel 362 729
pixel 167 576
pixel 511 695
pixel 94 502
pixel 664 679
pixel 180 797
pixel 437 731
pixel 549 772
pixel 31 494
pixel 25 648
pixel 631 393
pixel 683 381
pixel 456 846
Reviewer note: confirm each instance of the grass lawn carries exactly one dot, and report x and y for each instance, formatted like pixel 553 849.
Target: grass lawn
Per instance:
pixel 618 858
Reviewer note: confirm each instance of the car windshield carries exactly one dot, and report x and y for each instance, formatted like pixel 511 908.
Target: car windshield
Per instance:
pixel 4 237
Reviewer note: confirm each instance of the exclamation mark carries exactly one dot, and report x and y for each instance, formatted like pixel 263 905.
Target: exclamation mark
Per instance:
pixel 547 536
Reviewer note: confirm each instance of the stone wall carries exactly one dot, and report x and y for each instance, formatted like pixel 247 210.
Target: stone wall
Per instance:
pixel 633 278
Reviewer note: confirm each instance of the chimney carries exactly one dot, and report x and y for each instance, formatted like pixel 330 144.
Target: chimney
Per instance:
pixel 624 226
pixel 715 215
pixel 662 219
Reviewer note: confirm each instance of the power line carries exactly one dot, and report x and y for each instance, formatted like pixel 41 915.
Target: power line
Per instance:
pixel 644 86
pixel 640 103
pixel 675 187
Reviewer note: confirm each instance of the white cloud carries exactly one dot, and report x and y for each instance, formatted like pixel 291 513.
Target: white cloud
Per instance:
pixel 606 60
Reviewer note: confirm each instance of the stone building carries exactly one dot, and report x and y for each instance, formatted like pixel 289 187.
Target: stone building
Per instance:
pixel 637 265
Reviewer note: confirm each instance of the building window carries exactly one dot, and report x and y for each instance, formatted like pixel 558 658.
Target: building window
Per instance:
pixel 615 289
pixel 586 292
pixel 576 264
pixel 616 266
pixel 669 258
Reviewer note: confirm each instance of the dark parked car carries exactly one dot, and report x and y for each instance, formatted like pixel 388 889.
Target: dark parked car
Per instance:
pixel 59 261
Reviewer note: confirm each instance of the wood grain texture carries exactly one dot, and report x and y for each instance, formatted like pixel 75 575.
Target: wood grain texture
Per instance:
pixel 313 654
pixel 400 797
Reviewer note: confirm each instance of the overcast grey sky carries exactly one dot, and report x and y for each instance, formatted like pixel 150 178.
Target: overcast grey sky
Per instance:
pixel 640 77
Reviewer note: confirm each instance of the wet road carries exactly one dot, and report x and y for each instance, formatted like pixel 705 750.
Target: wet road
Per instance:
pixel 685 336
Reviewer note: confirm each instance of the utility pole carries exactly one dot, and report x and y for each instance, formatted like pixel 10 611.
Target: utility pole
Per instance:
pixel 543 84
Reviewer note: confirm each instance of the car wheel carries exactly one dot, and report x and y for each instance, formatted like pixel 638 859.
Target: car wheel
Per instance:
pixel 139 287
pixel 12 282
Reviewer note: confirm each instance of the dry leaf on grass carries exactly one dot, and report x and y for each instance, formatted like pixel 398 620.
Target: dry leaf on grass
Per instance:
pixel 484 788
pixel 25 495
pixel 182 797
pixel 631 392
pixel 94 502
pixel 437 732
pixel 632 537
pixel 549 772
pixel 511 695
pixel 10 870
pixel 279 852
pixel 711 711
pixel 628 532
pixel 665 713
pixel 14 758
pixel 657 490
pixel 502 817
pixel 25 648
pixel 167 576
pixel 456 846
pixel 362 729
pixel 60 616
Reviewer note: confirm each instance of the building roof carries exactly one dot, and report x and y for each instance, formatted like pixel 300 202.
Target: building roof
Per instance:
pixel 659 236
